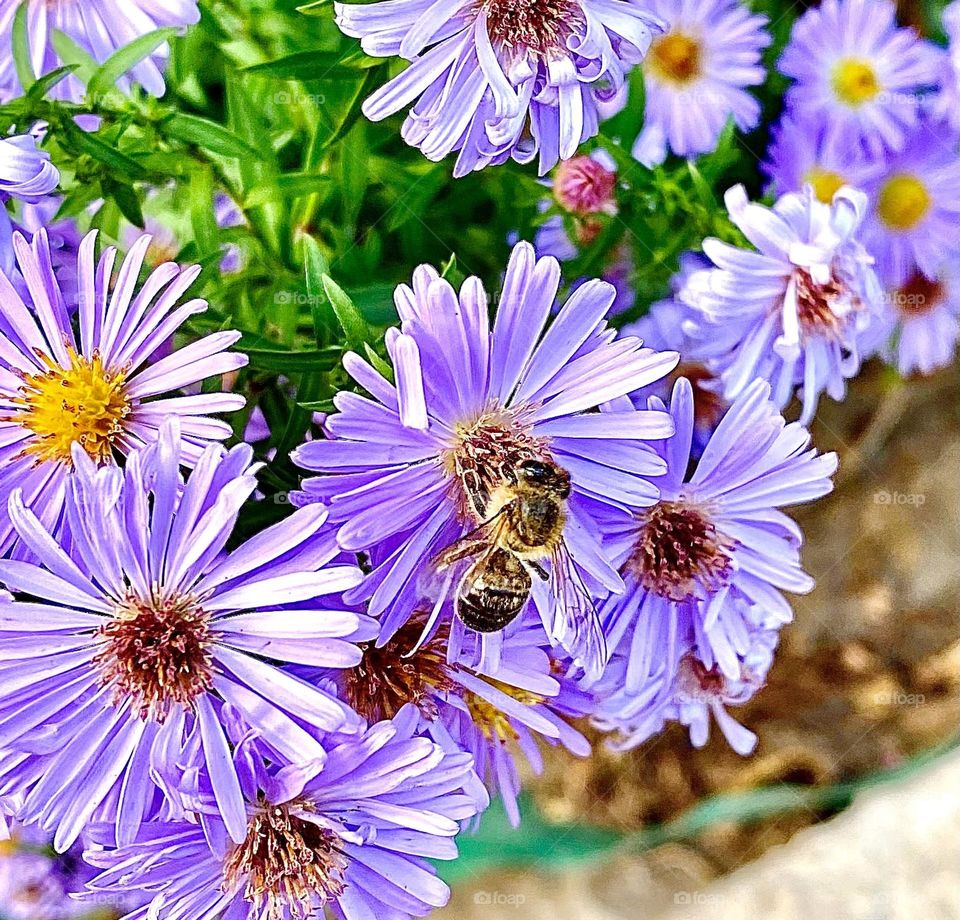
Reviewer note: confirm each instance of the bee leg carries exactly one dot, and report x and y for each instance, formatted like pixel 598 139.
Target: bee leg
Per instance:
pixel 462 550
pixel 537 569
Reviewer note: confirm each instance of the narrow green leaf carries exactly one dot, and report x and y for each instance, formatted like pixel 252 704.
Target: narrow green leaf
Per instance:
pixel 71 53
pixel 208 135
pixel 126 200
pixel 93 146
pixel 48 81
pixel 316 65
pixel 351 110
pixel 288 185
pixel 21 49
pixel 105 77
pixel 202 216
pixel 386 371
pixel 316 267
pixel 350 318
pixel 276 361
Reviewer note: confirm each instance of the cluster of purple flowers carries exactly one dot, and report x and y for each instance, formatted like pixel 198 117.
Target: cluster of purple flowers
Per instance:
pixel 520 521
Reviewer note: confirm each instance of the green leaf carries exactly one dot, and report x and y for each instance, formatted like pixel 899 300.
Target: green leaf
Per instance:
pixel 105 77
pixel 202 216
pixel 351 110
pixel 386 371
pixel 350 318
pixel 126 200
pixel 71 53
pixel 277 361
pixel 93 146
pixel 48 81
pixel 316 266
pixel 288 185
pixel 316 65
pixel 208 135
pixel 21 49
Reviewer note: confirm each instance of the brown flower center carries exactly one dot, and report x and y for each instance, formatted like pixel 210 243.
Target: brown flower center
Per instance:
pixel 385 681
pixel 676 58
pixel 156 654
pixel 540 27
pixel 679 554
pixel 698 683
pixel 919 295
pixel 583 186
pixel 288 866
pixel 815 302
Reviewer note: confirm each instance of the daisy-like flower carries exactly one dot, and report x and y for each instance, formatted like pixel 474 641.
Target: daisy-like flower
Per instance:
pixel 415 467
pixel 350 833
pixel 790 312
pixel 696 75
pixel 916 206
pixel 26 173
pixel 500 78
pixel 706 566
pixel 145 631
pixel 859 70
pixel 920 326
pixel 99 27
pixel 59 389
pixel 497 706
pixel 806 151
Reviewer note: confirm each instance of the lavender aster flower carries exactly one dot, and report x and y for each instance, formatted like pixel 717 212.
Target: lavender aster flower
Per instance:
pixel 25 172
pixel 497 78
pixel 58 389
pixel 695 76
pixel 145 630
pixel 916 206
pixel 705 567
pixel 947 104
pixel 790 312
pixel 863 73
pixel 100 27
pixel 410 471
pixel 496 704
pixel 920 327
pixel 351 834
pixel 810 152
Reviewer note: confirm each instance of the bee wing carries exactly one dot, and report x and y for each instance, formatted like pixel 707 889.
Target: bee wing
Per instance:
pixel 576 621
pixel 473 543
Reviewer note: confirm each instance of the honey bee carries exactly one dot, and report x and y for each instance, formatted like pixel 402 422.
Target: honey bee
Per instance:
pixel 525 520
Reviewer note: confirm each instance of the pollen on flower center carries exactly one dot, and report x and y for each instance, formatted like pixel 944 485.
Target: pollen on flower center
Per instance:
pixel 538 26
pixel 386 680
pixel 825 183
pixel 286 866
pixel 919 295
pixel 483 454
pixel 676 57
pixel 855 82
pixel 815 301
pixel 678 552
pixel 494 723
pixel 156 654
pixel 83 404
pixel 903 202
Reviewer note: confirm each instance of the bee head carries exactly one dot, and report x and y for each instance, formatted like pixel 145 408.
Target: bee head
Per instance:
pixel 544 475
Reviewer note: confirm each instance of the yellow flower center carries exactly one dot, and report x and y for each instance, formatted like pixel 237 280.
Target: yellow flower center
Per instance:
pixel 491 721
pixel 855 82
pixel 676 57
pixel 825 183
pixel 84 404
pixel 903 202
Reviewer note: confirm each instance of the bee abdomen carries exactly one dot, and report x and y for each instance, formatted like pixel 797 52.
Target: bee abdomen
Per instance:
pixel 493 592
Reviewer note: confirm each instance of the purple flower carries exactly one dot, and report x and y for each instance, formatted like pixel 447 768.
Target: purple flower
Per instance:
pixel 706 566
pixel 790 312
pixel 58 390
pixel 411 470
pixel 806 151
pixel 144 633
pixel 862 73
pixel 25 172
pixel 920 326
pixel 496 703
pixel 99 27
pixel 498 79
pixel 351 832
pixel 947 103
pixel 695 77
pixel 916 206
